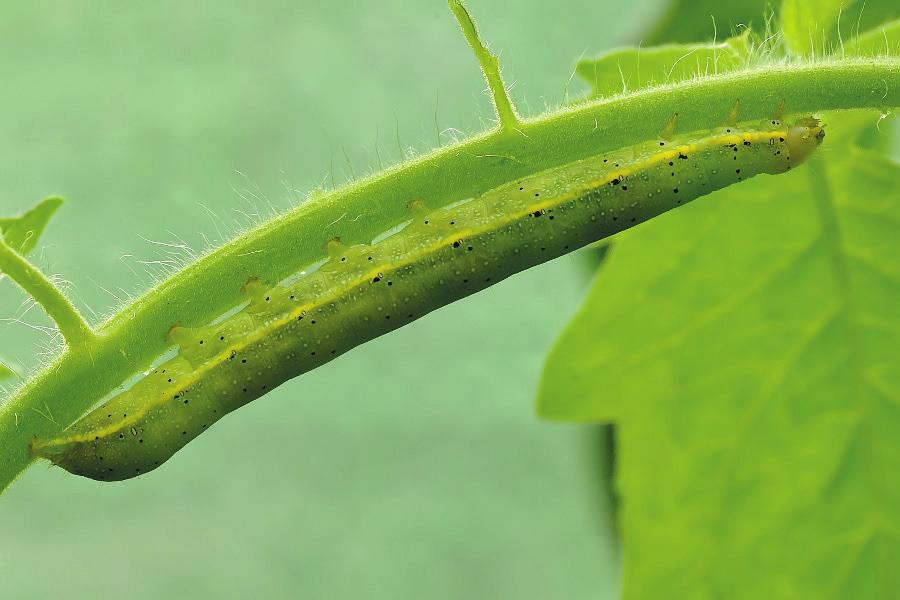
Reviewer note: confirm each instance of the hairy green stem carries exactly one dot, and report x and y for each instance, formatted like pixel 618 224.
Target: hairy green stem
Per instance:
pixel 71 324
pixel 490 67
pixel 131 340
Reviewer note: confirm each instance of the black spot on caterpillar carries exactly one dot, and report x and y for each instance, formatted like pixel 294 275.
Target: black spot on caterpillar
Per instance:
pixel 361 292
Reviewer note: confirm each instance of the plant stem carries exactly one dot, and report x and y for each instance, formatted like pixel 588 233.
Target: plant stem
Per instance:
pixel 71 324
pixel 132 339
pixel 490 67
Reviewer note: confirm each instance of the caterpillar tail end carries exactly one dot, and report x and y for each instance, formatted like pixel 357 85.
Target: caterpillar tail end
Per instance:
pixel 65 454
pixel 39 448
pixel 52 450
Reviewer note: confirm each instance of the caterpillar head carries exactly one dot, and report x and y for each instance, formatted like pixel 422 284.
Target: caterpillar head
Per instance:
pixel 803 137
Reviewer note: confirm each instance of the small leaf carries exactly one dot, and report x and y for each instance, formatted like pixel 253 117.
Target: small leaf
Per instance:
pixel 698 20
pixel 820 28
pixel 883 40
pixel 806 25
pixel 865 16
pixel 630 69
pixel 6 372
pixel 747 346
pixel 22 233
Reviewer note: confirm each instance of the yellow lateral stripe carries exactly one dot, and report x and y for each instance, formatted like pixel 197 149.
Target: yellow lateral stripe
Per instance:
pixel 199 372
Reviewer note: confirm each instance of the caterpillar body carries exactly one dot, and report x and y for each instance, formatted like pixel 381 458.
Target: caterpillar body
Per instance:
pixel 361 292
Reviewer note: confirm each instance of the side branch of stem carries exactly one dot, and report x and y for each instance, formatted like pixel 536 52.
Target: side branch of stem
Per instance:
pixel 72 325
pixel 490 67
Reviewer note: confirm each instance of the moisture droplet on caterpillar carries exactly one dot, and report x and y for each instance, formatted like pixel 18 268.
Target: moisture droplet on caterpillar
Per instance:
pixel 361 292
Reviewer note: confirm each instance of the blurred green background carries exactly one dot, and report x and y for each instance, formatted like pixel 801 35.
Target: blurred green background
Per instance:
pixel 413 466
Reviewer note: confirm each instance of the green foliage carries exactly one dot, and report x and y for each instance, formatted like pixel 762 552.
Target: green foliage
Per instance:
pixel 807 25
pixel 133 338
pixel 746 347
pixel 860 16
pixel 699 20
pixel 820 28
pixel 752 368
pixel 22 233
pixel 626 69
pixel 882 40
pixel 403 461
pixel 6 372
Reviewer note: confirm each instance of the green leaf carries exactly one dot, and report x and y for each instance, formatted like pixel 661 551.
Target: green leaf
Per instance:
pixel 630 69
pixel 806 24
pixel 6 372
pixel 865 16
pixel 820 28
pixel 884 39
pixel 752 364
pixel 698 20
pixel 22 233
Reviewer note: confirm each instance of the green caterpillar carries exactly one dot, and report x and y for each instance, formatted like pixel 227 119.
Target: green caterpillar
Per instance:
pixel 364 291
